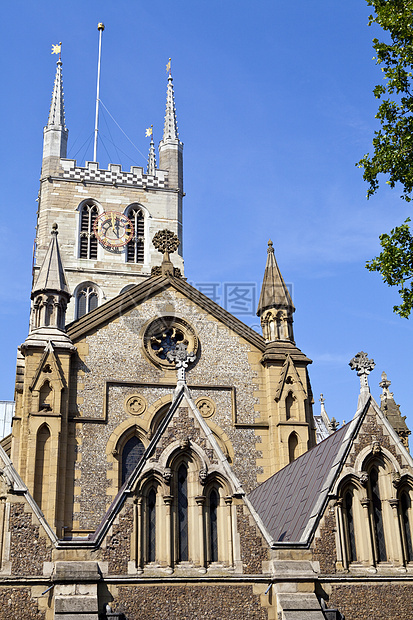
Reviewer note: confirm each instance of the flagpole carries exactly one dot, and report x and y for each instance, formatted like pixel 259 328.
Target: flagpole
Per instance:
pixel 101 28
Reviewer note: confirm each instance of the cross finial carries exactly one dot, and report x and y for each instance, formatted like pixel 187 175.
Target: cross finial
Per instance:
pixel 180 356
pixel 363 366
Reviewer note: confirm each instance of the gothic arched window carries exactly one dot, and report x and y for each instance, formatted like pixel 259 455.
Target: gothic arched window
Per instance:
pixel 213 525
pixel 151 512
pixel 405 506
pixel 289 406
pixel 183 554
pixel 87 299
pixel 131 455
pixel 135 250
pixel 350 539
pixel 42 466
pixel 88 244
pixel 380 543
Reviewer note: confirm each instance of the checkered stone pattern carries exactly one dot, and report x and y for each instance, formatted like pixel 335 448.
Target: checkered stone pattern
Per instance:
pixel 113 176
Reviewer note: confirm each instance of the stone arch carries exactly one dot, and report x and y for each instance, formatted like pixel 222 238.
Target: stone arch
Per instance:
pixel 42 466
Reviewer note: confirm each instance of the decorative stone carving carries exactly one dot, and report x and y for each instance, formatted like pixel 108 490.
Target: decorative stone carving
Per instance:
pixel 167 475
pixel 203 475
pixel 206 407
pixel 135 404
pixel 364 478
pixel 363 366
pixel 166 241
pixel 182 359
pixel 184 443
pixel 395 478
pixel 376 447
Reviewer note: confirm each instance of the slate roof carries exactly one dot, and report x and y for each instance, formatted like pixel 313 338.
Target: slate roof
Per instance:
pixel 286 502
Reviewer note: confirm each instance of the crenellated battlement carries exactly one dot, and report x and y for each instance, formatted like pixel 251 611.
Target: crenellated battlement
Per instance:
pixel 114 175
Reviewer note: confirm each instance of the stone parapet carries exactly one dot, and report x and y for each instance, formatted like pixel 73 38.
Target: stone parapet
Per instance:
pixel 114 175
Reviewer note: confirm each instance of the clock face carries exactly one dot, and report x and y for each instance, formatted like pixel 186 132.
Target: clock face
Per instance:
pixel 113 230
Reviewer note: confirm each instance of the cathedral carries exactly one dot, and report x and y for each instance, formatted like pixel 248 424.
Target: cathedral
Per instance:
pixel 164 459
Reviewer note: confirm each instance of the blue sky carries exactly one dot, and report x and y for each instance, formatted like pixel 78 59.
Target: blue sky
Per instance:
pixel 275 106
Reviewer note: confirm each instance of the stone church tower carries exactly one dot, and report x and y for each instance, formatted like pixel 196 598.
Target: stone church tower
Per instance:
pixel 75 197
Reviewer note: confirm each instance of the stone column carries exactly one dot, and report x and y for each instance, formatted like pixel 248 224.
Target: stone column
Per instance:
pixel 200 501
pixel 365 502
pixel 228 504
pixel 168 499
pixel 2 525
pixel 341 543
pixel 394 503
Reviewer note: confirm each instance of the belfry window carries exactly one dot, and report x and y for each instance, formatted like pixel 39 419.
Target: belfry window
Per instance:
pixel 131 455
pixel 88 244
pixel 86 300
pixel 292 447
pixel 135 250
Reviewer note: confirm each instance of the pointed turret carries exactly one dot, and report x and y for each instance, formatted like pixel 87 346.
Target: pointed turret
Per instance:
pixel 55 133
pixel 152 158
pixel 50 295
pixel 275 307
pixel 170 147
pixel 392 411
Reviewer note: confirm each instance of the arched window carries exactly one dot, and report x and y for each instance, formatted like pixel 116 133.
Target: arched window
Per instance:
pixel 405 506
pixel 380 543
pixel 135 250
pixel 151 512
pixel 289 405
pixel 131 455
pixel 182 514
pixel 88 244
pixel 87 299
pixel 350 539
pixel 42 467
pixel 292 447
pixel 213 525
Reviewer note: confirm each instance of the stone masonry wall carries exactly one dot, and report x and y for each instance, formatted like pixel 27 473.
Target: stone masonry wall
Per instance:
pixel 253 548
pixel 209 602
pixel 117 550
pixel 116 353
pixel 28 549
pixel 324 544
pixel 16 603
pixel 374 601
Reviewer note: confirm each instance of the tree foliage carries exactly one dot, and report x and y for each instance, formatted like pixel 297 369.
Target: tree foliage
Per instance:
pixel 393 143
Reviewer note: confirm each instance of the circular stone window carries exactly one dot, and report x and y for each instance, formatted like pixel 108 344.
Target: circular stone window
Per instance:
pixel 163 334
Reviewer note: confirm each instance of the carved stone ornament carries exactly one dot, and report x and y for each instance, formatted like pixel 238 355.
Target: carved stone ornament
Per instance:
pixel 135 404
pixel 180 355
pixel 376 447
pixel 167 475
pixel 166 241
pixel 395 478
pixel 205 406
pixel 203 475
pixel 364 478
pixel 363 366
pixel 184 443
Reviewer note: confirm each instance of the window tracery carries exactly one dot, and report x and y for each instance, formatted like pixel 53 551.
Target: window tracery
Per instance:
pixel 135 249
pixel 87 299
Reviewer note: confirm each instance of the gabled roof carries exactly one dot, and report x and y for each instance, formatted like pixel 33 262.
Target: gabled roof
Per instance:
pixel 285 502
pixel 151 286
pixel 291 502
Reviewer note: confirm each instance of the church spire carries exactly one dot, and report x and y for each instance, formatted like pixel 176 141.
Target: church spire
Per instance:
pixel 152 157
pixel 55 133
pixel 170 147
pixel 50 293
pixel 275 307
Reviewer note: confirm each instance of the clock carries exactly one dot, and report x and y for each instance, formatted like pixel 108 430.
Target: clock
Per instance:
pixel 113 230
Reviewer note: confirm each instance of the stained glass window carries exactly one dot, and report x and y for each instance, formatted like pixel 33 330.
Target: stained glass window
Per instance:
pixel 131 455
pixel 377 517
pixel 182 514
pixel 406 507
pixel 151 526
pixel 213 509
pixel 351 539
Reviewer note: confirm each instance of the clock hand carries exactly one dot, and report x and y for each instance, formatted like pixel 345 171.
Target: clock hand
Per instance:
pixel 113 221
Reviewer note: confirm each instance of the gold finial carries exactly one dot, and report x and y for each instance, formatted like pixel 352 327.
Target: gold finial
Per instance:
pixel 101 26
